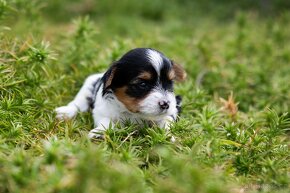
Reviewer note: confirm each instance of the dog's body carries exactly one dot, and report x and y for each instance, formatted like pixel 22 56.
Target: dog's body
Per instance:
pixel 138 88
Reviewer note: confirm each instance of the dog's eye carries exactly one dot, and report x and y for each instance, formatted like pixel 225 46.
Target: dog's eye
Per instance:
pixel 142 84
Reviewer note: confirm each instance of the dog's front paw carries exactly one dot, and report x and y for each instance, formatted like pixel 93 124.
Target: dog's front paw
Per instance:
pixel 66 112
pixel 96 134
pixel 172 139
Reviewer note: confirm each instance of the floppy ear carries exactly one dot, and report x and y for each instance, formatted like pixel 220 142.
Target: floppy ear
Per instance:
pixel 180 74
pixel 109 75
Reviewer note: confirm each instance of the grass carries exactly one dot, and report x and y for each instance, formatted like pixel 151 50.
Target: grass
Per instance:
pixel 233 134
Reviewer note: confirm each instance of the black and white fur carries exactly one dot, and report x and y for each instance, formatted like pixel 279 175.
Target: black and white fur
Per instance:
pixel 138 87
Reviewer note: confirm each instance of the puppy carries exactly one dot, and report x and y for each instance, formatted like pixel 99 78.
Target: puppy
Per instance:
pixel 138 87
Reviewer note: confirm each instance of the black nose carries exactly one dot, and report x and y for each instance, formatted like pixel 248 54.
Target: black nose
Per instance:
pixel 164 104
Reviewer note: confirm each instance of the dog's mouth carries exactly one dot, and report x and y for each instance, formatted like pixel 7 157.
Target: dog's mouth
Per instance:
pixel 163 111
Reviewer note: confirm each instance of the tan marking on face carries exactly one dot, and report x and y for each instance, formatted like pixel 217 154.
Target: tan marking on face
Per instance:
pixel 171 75
pixel 145 75
pixel 180 74
pixel 132 104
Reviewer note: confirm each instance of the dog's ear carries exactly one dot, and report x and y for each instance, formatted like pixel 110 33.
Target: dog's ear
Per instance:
pixel 180 74
pixel 109 75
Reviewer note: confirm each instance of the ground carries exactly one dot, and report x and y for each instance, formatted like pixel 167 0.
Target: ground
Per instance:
pixel 233 133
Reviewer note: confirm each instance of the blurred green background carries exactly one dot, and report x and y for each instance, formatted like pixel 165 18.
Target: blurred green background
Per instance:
pixel 223 44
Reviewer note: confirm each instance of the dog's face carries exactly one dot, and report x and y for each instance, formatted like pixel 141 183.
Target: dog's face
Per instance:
pixel 143 81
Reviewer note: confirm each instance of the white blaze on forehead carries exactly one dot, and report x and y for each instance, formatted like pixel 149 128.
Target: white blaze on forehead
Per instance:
pixel 155 58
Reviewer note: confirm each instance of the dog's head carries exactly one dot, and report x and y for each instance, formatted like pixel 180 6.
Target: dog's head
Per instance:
pixel 142 80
